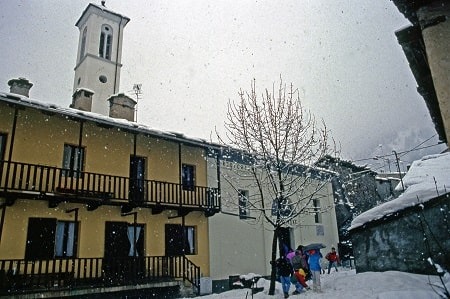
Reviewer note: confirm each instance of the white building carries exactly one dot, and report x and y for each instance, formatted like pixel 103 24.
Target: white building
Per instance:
pixel 240 242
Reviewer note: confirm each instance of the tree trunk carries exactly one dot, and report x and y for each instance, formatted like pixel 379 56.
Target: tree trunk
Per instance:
pixel 273 272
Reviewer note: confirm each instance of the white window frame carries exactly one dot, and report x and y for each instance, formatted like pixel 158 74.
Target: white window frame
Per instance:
pixel 105 42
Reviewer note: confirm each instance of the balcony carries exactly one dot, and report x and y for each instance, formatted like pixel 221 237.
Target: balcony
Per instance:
pixel 73 275
pixel 24 180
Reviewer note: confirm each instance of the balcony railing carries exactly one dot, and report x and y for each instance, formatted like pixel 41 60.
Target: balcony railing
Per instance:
pixel 68 273
pixel 34 179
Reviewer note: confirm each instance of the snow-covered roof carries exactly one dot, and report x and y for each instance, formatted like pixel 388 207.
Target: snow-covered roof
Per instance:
pixel 17 99
pixel 427 178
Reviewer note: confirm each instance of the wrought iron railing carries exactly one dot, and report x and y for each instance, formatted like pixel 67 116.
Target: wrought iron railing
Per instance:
pixel 41 179
pixel 61 273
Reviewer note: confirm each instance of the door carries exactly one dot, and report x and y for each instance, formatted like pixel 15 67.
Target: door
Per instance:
pixel 284 240
pixel 137 179
pixel 123 261
pixel 174 239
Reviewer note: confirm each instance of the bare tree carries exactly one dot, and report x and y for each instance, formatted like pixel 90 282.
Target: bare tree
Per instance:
pixel 282 140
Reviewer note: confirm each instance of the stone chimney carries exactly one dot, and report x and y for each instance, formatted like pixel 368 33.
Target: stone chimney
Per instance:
pixel 82 99
pixel 122 106
pixel 20 86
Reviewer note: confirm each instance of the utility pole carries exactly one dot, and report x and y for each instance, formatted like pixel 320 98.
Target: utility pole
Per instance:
pixel 399 172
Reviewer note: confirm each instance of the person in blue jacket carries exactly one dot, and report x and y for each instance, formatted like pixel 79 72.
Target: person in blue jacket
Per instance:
pixel 314 257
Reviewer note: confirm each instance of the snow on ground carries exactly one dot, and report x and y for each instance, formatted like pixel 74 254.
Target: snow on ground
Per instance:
pixel 347 284
pixel 426 179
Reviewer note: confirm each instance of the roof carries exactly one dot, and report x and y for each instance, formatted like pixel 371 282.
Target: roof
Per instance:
pixel 23 101
pixel 426 180
pixel 409 8
pixel 92 6
pixel 239 156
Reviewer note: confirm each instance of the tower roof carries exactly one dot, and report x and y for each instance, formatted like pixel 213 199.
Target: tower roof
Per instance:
pixel 101 10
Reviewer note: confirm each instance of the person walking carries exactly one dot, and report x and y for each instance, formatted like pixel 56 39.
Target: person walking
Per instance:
pixel 300 281
pixel 314 257
pixel 333 259
pixel 299 276
pixel 284 270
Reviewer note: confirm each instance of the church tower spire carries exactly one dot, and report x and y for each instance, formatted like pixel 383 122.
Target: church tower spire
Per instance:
pixel 97 71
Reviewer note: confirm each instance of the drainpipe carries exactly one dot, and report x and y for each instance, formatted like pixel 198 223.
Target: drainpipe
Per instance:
pixel 2 221
pixel 80 143
pixel 219 197
pixel 11 146
pixel 183 220
pixel 134 145
pixel 180 192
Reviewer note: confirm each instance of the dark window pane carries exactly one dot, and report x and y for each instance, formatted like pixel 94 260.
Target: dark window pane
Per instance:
pixel 243 204
pixel 2 146
pixel 102 44
pixel 73 160
pixel 65 239
pixel 188 177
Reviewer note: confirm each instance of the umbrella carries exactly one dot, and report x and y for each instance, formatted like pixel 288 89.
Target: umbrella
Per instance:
pixel 313 246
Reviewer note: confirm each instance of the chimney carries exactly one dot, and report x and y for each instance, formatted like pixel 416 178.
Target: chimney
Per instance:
pixel 20 86
pixel 122 106
pixel 82 99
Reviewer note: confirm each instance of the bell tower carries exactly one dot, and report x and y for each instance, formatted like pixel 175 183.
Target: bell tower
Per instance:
pixel 98 65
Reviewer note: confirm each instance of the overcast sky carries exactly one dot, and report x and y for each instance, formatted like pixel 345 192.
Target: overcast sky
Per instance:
pixel 191 57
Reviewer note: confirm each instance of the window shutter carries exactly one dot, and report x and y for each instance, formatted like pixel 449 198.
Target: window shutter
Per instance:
pixel 40 238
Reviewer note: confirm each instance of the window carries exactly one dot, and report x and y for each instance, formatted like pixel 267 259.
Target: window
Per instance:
pixel 120 240
pixel 2 146
pixel 48 238
pixel 189 240
pixel 188 177
pixel 317 214
pixel 73 160
pixel 105 46
pixel 65 239
pixel 180 240
pixel 244 211
pixel 83 44
pixel 283 206
pixel 134 247
pixel 103 79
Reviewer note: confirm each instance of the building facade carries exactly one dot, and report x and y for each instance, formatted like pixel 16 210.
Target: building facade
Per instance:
pixel 91 200
pixel 240 240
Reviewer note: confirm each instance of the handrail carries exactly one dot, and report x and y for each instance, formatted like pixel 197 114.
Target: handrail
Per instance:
pixel 191 273
pixel 42 179
pixel 19 275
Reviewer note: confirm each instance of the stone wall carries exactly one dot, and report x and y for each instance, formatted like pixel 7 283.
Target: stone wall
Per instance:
pixel 404 241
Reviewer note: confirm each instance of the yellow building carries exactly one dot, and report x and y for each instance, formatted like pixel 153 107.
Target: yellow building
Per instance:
pixel 90 200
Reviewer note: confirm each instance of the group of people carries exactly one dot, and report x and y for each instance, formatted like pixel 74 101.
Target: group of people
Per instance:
pixel 299 266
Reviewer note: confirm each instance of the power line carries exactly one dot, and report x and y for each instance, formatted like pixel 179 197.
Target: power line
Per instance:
pixel 416 148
